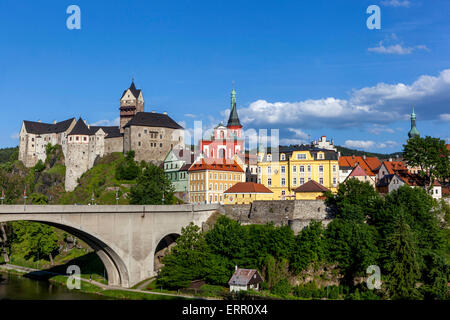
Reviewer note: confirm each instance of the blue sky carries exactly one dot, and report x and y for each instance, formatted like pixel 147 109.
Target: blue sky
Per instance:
pixel 308 68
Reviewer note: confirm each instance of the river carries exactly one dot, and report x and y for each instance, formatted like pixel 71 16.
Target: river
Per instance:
pixel 13 287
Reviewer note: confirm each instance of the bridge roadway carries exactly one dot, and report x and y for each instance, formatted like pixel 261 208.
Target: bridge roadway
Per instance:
pixel 125 237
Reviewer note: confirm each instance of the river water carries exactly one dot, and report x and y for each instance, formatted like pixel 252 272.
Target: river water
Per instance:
pixel 14 287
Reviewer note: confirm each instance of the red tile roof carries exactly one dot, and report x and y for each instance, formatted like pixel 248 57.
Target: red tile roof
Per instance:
pixel 311 186
pixel 358 172
pixel 219 165
pixel 395 166
pixel 369 164
pixel 248 187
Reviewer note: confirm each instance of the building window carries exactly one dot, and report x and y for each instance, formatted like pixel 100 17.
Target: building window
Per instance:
pixel 269 170
pixel 309 168
pixel 320 155
pixel 334 182
pixel 301 156
pixel 215 176
pixel 283 157
pixel 220 176
pixel 139 143
pixel 269 182
pixel 215 198
pixel 145 131
pixel 225 187
pixel 283 169
pixel 269 157
pixel 302 181
pixel 215 187
pixel 160 145
pixel 139 135
pixel 283 193
pixel 294 181
pixel 77 138
pixel 301 169
pixel 283 182
pixel 334 168
pixel 321 169
pixel 294 169
pixel 160 136
pixel 321 180
pixel 259 170
pixel 221 187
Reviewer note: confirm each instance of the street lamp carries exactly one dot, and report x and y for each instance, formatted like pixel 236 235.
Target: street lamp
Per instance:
pixel 117 197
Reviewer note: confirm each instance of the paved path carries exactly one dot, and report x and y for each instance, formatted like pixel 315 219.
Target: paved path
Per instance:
pixel 101 285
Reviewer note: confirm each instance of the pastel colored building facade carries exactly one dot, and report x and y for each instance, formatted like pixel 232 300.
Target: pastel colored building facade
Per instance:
pixel 294 166
pixel 209 179
pixel 246 193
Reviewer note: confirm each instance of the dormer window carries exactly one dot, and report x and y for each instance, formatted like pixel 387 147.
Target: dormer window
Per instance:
pixel 283 157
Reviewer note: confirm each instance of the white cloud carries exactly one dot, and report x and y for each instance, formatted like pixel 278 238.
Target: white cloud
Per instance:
pixel 190 115
pixel 445 117
pixel 368 144
pixel 292 141
pixel 380 104
pixel 396 49
pixel 106 123
pixel 379 128
pixel 299 133
pixel 361 144
pixel 15 136
pixel 396 3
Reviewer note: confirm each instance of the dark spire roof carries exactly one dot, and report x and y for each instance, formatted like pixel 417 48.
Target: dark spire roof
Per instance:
pixel 233 120
pixel 135 92
pixel 111 131
pixel 80 128
pixel 153 119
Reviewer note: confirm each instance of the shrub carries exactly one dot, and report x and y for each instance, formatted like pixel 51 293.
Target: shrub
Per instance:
pixel 282 288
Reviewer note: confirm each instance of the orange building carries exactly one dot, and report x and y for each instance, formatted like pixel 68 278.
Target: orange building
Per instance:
pixel 347 163
pixel 208 179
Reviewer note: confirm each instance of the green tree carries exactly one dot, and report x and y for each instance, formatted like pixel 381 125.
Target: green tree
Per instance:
pixel 152 187
pixel 35 239
pixel 353 246
pixel 187 260
pixel 310 247
pixel 403 262
pixel 355 200
pixel 430 155
pixel 128 169
pixel 37 198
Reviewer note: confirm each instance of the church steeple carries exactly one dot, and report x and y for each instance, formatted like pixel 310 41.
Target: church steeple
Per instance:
pixel 233 120
pixel 413 132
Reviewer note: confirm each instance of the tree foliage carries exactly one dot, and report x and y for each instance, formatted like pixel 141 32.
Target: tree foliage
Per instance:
pixel 430 155
pixel 127 169
pixel 152 187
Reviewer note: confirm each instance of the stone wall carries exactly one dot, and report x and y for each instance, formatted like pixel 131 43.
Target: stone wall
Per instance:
pixel 113 145
pixel 295 213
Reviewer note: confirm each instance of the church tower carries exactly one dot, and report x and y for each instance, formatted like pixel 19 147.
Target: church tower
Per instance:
pixel 234 125
pixel 413 132
pixel 131 102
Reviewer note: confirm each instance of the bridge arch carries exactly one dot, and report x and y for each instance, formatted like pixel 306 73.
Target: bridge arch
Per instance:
pixel 115 267
pixel 162 245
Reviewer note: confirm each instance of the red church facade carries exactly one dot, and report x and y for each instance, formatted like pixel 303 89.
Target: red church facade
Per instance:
pixel 227 141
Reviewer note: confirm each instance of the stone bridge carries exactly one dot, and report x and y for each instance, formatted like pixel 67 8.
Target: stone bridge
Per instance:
pixel 125 237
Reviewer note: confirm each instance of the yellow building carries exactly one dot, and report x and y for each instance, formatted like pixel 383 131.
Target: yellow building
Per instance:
pixel 208 179
pixel 292 167
pixel 246 193
pixel 310 191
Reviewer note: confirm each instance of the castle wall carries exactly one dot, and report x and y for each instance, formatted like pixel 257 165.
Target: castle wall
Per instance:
pixel 152 144
pixel 113 145
pixel 77 162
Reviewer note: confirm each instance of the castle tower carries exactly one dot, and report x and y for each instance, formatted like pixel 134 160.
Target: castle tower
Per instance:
pixel 413 132
pixel 131 102
pixel 77 159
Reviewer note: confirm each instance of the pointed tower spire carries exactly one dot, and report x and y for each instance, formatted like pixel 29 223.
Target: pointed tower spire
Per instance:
pixel 413 132
pixel 233 120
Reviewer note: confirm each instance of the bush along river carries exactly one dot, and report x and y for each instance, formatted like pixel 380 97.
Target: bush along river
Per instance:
pixel 13 287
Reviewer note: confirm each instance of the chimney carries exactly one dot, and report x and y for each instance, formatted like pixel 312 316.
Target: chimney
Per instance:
pixel 54 121
pixel 164 112
pixel 39 121
pixel 364 157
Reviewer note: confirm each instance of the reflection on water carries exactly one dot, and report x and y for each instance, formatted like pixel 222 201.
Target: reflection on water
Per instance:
pixel 13 287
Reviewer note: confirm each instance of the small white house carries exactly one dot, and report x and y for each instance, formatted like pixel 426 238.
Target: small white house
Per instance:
pixel 245 279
